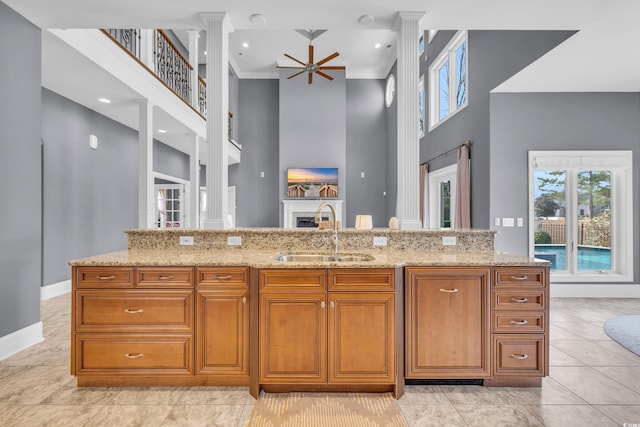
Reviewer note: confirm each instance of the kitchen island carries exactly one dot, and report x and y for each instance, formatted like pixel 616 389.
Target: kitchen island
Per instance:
pixel 217 314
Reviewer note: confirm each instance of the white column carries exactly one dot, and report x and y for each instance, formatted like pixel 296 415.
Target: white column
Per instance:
pixel 146 196
pixel 147 42
pixel 193 60
pixel 407 27
pixel 218 29
pixel 194 181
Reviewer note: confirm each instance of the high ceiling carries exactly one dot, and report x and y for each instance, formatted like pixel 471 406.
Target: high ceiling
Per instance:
pixel 605 30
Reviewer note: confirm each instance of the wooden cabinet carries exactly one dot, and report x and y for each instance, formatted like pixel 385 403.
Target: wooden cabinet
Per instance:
pixel 447 323
pixel 131 323
pixel 328 329
pixel 222 324
pixel 520 326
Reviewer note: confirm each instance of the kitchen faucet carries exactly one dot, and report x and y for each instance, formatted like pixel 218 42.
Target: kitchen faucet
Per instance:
pixel 334 240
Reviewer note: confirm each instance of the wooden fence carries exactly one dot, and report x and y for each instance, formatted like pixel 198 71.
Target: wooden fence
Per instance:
pixel 557 229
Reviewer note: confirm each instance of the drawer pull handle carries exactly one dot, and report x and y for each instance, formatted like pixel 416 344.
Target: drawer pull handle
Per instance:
pixel 227 277
pixel 520 356
pixel 133 355
pixel 244 300
pixel 166 277
pixel 106 277
pixel 322 304
pixel 519 301
pixel 449 291
pixel 129 311
pixel 519 323
pixel 520 279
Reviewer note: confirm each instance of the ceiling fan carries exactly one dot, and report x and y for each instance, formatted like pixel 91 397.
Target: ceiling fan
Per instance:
pixel 311 67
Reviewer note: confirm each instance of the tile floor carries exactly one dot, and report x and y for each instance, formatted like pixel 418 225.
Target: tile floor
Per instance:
pixel 593 382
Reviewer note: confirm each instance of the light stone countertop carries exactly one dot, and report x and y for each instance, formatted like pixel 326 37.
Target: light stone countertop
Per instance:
pixel 265 259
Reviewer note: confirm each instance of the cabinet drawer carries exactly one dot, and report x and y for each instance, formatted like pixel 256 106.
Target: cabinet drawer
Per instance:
pixel 104 277
pixel 519 299
pixel 165 277
pixel 223 277
pixel 134 354
pixel 511 322
pixel 506 276
pixel 134 310
pixel 361 279
pixel 293 280
pixel 519 354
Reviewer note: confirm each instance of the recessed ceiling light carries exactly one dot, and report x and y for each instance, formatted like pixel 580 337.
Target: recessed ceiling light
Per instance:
pixel 162 131
pixel 104 100
pixel 377 45
pixel 245 44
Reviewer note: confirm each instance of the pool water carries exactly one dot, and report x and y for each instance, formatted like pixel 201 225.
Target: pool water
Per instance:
pixel 589 258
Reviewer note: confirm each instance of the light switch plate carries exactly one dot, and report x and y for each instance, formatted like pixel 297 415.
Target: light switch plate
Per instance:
pixel 449 240
pixel 520 222
pixel 186 240
pixel 379 240
pixel 507 222
pixel 234 241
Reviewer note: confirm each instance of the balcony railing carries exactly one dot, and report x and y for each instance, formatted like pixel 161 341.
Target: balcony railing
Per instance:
pixel 167 64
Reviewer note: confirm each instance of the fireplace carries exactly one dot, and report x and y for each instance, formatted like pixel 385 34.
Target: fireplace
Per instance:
pixel 301 213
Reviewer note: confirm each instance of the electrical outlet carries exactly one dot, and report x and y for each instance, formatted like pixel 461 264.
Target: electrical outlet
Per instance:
pixel 186 240
pixel 449 240
pixel 507 222
pixel 361 174
pixel 234 240
pixel 379 240
pixel 520 222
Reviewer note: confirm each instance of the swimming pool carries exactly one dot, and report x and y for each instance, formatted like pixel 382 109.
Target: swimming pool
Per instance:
pixel 589 257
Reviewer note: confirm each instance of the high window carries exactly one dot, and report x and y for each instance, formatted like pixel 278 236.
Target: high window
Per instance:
pixel 449 80
pixel 421 101
pixel 581 211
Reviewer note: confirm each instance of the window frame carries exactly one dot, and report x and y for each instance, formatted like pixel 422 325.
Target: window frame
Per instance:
pixel 620 163
pixel 434 179
pixel 448 54
pixel 422 126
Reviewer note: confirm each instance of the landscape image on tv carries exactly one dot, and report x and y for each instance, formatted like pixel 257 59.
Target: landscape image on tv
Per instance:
pixel 312 183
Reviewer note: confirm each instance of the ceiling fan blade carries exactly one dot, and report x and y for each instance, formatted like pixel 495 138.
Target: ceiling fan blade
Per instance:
pixel 294 59
pixel 296 74
pixel 326 76
pixel 332 67
pixel 310 54
pixel 328 58
pixel 310 78
pixel 298 68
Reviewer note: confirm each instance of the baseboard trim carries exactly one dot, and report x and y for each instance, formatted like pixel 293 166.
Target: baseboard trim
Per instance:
pixel 20 340
pixel 610 290
pixel 55 289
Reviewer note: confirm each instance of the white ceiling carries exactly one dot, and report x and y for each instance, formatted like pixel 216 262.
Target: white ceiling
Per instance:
pixel 601 57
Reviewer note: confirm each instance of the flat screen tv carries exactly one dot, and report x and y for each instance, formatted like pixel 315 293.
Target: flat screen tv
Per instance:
pixel 312 183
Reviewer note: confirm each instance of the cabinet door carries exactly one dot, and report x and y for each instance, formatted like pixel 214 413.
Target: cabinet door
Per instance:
pixel 222 332
pixel 361 337
pixel 447 323
pixel 293 338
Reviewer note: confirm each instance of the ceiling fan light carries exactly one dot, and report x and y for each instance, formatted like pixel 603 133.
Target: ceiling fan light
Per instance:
pixel 365 20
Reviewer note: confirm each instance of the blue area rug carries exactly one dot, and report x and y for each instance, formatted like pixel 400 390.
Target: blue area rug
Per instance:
pixel 626 331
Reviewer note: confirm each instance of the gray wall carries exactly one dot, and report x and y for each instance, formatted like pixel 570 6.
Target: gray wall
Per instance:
pixel 494 56
pixel 20 171
pixel 366 151
pixel 168 160
pixel 313 127
pixel 555 121
pixel 392 152
pixel 257 198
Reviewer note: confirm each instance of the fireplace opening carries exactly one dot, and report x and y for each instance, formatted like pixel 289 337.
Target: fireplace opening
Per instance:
pixel 308 221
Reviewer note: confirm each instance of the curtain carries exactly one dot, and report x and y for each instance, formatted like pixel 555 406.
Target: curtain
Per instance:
pixel 463 189
pixel 424 199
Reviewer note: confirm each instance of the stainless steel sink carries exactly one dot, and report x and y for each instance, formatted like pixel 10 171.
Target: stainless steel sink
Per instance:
pixel 322 258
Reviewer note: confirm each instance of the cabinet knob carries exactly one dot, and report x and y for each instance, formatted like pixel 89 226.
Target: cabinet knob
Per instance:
pixel 332 304
pixel 519 300
pixel 244 300
pixel 516 322
pixel 106 277
pixel 520 356
pixel 133 355
pixel 519 278
pixel 449 291
pixel 130 311
pixel 322 304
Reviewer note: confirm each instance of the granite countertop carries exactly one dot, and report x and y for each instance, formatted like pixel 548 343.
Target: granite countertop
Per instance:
pixel 265 259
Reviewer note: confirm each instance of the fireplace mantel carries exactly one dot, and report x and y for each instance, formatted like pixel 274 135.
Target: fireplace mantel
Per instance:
pixel 294 208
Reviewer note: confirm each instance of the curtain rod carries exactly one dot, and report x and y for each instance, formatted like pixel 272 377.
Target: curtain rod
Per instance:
pixel 448 151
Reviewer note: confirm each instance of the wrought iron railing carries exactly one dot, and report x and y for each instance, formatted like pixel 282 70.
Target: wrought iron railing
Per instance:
pixel 202 96
pixel 171 66
pixel 129 38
